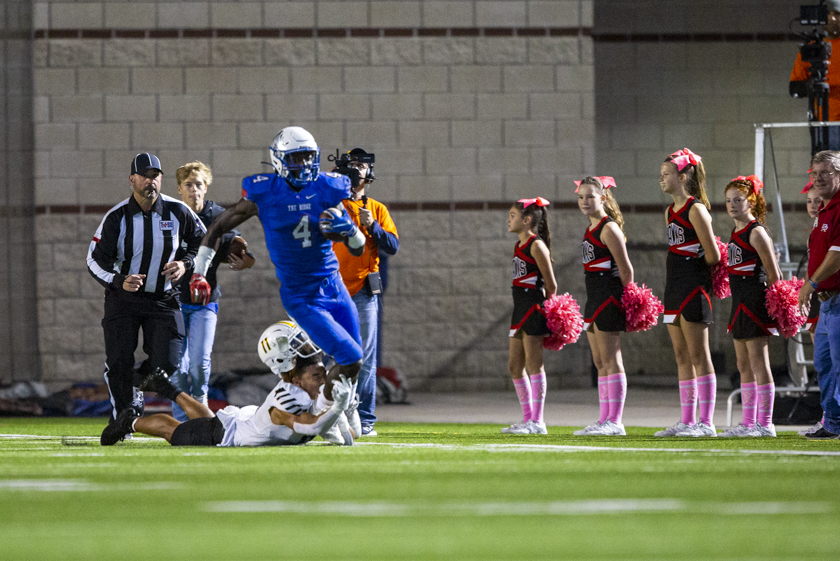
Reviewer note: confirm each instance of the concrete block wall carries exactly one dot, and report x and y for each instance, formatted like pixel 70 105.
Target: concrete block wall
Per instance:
pixel 468 105
pixel 465 104
pixel 19 356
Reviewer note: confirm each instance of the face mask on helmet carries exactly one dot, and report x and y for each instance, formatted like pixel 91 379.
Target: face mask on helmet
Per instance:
pixel 295 156
pixel 281 343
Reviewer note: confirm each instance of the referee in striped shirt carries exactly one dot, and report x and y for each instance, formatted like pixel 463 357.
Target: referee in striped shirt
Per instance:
pixel 142 247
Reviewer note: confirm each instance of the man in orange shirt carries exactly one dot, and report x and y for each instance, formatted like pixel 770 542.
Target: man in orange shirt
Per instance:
pixel 799 76
pixel 361 274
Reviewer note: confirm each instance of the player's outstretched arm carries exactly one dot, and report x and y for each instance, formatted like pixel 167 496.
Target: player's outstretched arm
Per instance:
pixel 312 425
pixel 227 221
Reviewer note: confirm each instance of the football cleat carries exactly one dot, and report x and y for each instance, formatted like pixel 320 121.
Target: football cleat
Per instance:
pixel 671 431
pixel 159 383
pixel 118 428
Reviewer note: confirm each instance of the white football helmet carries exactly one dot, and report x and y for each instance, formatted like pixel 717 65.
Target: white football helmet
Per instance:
pixel 295 156
pixel 281 343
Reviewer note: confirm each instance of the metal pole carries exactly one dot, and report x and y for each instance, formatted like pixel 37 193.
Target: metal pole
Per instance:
pixel 785 248
pixel 759 152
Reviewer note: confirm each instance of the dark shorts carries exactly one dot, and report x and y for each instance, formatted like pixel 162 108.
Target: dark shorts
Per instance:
pixel 688 289
pixel 603 303
pixel 749 318
pixel 205 431
pixel 528 314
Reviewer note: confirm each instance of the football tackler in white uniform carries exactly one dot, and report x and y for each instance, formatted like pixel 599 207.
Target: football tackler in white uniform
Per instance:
pixel 289 415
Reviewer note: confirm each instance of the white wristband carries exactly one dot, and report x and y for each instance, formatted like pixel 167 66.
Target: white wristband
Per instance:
pixel 357 241
pixel 203 259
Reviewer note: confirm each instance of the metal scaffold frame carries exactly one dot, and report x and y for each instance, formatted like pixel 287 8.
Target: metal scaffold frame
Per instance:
pixel 798 364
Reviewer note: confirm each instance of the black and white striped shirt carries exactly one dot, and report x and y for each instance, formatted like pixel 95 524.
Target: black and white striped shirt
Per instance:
pixel 130 241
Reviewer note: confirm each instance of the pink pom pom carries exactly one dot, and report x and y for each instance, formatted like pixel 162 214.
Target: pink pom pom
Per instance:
pixel 641 307
pixel 720 273
pixel 564 320
pixel 782 301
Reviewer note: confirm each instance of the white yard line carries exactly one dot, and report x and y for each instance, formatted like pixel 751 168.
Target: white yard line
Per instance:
pixel 567 448
pixel 547 508
pixel 518 447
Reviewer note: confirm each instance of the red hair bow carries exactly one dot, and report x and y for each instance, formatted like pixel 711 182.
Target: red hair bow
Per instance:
pixel 807 187
pixel 605 180
pixel 528 202
pixel 684 158
pixel 756 183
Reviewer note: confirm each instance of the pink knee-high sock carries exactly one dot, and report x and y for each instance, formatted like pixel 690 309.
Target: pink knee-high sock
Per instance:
pixel 706 394
pixel 688 401
pixel 538 387
pixel 748 403
pixel 765 395
pixel 523 391
pixel 603 398
pixel 617 388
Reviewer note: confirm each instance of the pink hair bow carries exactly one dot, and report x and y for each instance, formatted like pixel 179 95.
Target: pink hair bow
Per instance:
pixel 756 183
pixel 605 180
pixel 528 202
pixel 685 157
pixel 807 187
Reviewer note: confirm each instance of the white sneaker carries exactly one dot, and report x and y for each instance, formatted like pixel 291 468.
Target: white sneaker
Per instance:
pixel 809 430
pixel 671 431
pixel 535 427
pixel 760 431
pixel 591 429
pixel 608 428
pixel 698 430
pixel 615 429
pixel 740 431
pixel 517 428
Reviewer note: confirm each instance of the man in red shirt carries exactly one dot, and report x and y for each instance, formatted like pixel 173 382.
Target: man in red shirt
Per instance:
pixel 824 279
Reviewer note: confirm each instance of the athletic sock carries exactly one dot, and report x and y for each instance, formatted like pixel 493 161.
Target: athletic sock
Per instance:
pixel 538 387
pixel 688 401
pixel 617 388
pixel 523 391
pixel 765 395
pixel 748 403
pixel 706 393
pixel 603 398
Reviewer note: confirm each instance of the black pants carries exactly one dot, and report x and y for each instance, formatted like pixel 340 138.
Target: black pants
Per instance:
pixel 163 334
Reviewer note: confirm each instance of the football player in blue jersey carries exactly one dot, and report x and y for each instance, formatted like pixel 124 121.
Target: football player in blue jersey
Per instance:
pixel 301 212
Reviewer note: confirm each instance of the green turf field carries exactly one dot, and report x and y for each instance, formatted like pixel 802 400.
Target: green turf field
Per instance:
pixel 431 491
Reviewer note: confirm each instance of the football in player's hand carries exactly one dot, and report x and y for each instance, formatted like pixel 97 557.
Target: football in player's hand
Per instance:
pixel 326 219
pixel 237 245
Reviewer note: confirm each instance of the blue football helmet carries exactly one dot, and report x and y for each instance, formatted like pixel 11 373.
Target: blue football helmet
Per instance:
pixel 295 156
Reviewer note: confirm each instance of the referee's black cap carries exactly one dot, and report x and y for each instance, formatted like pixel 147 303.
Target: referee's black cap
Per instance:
pixel 143 162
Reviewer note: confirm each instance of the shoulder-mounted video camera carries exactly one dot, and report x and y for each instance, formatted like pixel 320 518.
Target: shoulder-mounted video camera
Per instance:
pixel 345 165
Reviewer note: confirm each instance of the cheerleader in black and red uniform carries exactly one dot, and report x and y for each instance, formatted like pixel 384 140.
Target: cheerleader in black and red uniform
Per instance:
pixel 607 269
pixel 533 282
pixel 688 289
pixel 752 268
